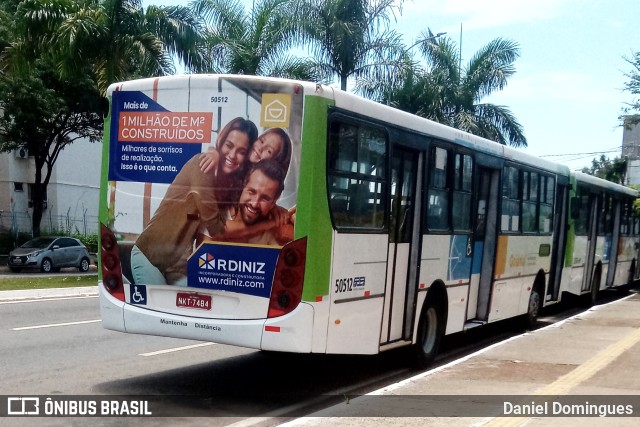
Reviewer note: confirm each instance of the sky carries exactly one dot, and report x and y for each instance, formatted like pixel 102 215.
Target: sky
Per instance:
pixel 567 92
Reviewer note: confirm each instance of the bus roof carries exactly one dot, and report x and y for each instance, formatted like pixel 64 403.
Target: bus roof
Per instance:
pixel 424 126
pixel 603 184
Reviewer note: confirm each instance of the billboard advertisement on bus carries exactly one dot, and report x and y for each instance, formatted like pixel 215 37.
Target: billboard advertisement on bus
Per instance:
pixel 203 180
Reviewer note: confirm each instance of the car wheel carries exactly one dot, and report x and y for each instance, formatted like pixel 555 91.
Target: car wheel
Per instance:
pixel 46 266
pixel 84 265
pixel 15 269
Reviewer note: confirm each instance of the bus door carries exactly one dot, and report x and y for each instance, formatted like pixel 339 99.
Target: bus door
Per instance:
pixel 404 245
pixel 592 235
pixel 559 242
pixel 484 246
pixel 615 240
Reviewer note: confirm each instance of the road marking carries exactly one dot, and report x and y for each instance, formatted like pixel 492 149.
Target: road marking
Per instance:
pixel 19 301
pixel 171 350
pixel 53 325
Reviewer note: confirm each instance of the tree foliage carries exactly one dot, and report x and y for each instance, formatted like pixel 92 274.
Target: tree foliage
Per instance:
pixel 351 38
pixel 117 39
pixel 445 91
pixel 254 42
pixel 631 113
pixel 612 170
pixel 43 114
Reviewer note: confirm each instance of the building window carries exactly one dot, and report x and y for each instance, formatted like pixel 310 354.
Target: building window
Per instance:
pixel 18 186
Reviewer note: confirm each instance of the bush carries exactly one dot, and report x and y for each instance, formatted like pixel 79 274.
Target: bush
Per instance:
pixel 90 241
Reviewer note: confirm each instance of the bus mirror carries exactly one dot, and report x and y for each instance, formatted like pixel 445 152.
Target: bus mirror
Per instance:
pixel 575 207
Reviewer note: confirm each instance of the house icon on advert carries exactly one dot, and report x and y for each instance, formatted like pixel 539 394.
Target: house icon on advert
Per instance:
pixel 275 110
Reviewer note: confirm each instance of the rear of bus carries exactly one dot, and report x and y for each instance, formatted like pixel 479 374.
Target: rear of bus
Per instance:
pixel 241 292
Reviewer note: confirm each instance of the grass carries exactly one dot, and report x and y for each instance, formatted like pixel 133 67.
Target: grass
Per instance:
pixel 45 282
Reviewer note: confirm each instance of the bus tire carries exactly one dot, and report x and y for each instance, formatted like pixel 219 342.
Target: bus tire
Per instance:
pixel 595 288
pixel 533 309
pixel 430 331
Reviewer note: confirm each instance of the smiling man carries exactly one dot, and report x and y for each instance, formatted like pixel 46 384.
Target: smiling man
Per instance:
pixel 258 219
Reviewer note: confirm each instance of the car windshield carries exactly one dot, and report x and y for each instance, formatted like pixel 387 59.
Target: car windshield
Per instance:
pixel 38 242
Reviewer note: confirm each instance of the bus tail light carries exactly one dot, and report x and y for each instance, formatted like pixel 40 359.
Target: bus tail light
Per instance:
pixel 288 279
pixel 110 263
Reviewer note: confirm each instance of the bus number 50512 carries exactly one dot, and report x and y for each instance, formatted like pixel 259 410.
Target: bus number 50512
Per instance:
pixel 344 285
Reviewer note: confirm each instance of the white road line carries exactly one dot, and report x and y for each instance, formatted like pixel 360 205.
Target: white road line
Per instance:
pixel 20 301
pixel 53 325
pixel 171 350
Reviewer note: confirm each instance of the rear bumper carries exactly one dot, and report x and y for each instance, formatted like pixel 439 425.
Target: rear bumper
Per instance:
pixel 291 332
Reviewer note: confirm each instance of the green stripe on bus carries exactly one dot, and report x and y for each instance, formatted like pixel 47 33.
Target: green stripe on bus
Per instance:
pixel 312 217
pixel 103 214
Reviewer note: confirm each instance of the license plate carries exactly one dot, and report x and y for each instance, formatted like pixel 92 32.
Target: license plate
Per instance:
pixel 17 260
pixel 202 302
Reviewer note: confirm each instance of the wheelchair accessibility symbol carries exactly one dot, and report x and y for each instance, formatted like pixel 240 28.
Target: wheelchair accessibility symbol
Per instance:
pixel 138 294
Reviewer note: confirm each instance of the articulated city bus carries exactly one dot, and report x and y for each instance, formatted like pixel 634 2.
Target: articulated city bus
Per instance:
pixel 291 216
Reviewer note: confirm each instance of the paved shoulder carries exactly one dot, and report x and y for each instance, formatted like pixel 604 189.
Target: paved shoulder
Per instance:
pixel 27 294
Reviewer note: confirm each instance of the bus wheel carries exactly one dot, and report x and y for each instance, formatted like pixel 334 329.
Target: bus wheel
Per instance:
pixel 429 334
pixel 531 318
pixel 595 285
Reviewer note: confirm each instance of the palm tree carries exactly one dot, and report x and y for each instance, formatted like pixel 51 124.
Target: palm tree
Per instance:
pixel 255 42
pixel 116 39
pixel 350 38
pixel 448 93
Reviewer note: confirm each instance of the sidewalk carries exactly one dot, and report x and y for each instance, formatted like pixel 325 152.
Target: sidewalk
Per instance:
pixel 18 295
pixel 591 357
pixel 25 294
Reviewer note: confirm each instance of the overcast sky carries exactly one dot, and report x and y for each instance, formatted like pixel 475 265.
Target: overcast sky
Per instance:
pixel 567 90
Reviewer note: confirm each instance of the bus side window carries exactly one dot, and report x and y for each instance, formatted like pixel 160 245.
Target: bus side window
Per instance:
pixel 462 192
pixel 438 200
pixel 510 215
pixel 356 175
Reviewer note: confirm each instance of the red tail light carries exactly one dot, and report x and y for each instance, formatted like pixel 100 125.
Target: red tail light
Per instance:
pixel 288 279
pixel 110 263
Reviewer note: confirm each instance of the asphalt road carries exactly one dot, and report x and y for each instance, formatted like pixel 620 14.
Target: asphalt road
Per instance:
pixel 58 347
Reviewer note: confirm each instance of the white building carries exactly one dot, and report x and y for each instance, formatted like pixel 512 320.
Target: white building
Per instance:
pixel 72 194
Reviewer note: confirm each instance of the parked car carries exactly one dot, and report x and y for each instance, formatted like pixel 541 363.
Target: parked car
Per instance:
pixel 50 254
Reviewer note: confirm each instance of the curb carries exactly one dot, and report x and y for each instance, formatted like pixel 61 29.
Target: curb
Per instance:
pixel 36 294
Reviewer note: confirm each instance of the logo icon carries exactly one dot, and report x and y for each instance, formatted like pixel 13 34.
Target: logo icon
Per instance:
pixel 276 110
pixel 138 294
pixel 206 261
pixel 23 406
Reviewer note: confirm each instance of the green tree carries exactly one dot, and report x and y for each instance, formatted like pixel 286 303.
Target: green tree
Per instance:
pixel 117 39
pixel 631 113
pixel 612 170
pixel 254 42
pixel 351 38
pixel 445 91
pixel 43 114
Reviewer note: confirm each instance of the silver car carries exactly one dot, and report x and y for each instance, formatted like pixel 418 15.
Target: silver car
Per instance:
pixel 50 254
